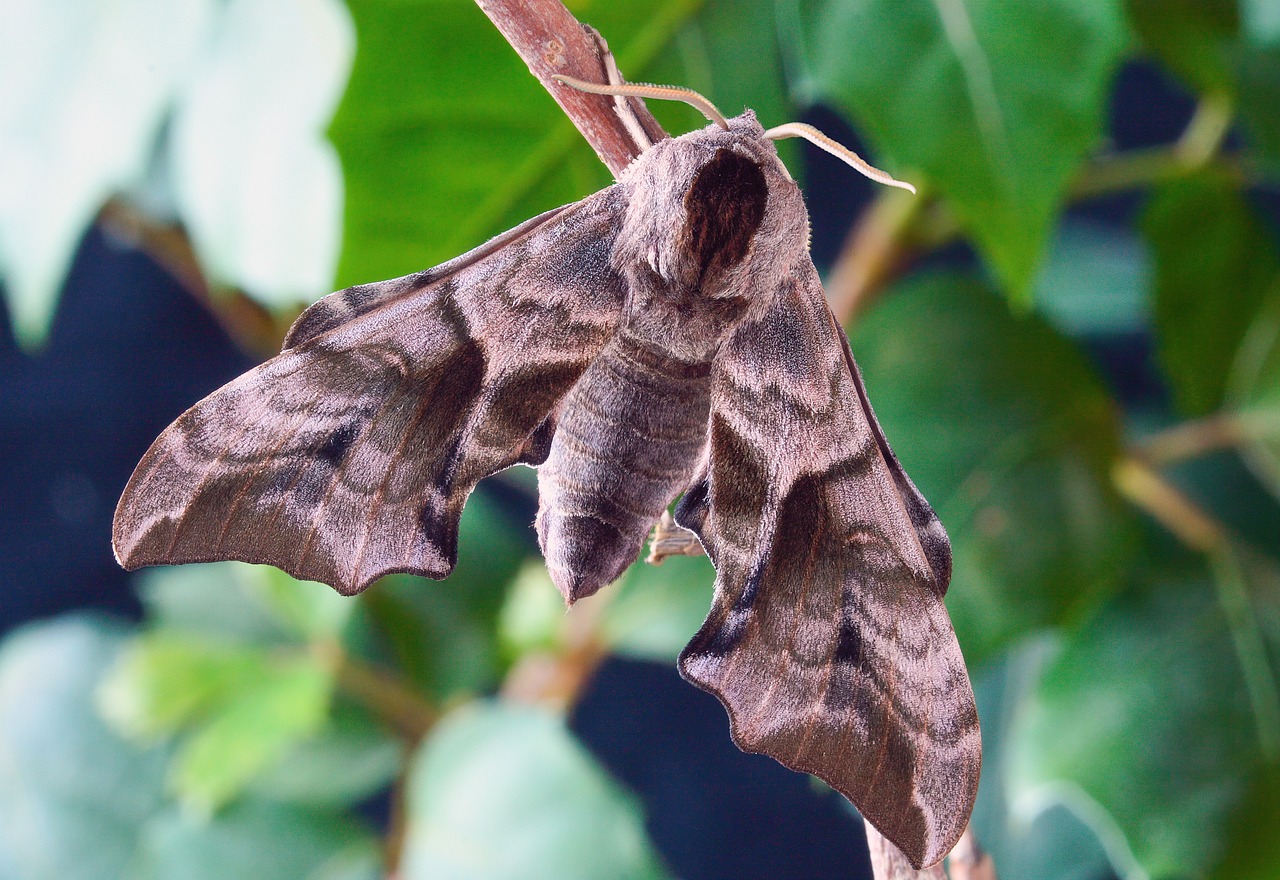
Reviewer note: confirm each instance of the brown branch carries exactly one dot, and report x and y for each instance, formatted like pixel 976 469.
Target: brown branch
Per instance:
pixel 556 678
pixel 551 41
pixel 382 692
pixel 888 862
pixel 969 861
pixel 874 252
pixel 248 323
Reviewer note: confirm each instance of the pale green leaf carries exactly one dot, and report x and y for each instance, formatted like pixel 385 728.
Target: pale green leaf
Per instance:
pixel 73 794
pixel 87 84
pixel 257 184
pixel 507 793
pixel 262 841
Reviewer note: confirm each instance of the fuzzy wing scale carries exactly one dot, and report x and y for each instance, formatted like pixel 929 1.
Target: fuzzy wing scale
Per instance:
pixel 827 641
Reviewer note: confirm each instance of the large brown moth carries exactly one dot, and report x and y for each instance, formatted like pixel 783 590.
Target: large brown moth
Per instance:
pixel 664 338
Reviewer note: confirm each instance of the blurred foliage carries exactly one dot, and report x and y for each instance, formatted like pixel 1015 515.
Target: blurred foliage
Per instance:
pixel 1117 598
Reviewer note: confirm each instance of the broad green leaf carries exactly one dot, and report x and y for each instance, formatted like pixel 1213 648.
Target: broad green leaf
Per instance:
pixel 658 608
pixel 257 840
pixel 444 634
pixel 1049 842
pixel 73 794
pixel 993 103
pixel 167 679
pixel 349 760
pixel 243 707
pixel 1195 38
pixel 252 729
pixel 506 793
pixel 257 185
pixel 1259 71
pixel 221 601
pixel 1145 721
pixel 1009 434
pixel 1253 393
pixel 87 84
pixel 446 139
pixel 1214 262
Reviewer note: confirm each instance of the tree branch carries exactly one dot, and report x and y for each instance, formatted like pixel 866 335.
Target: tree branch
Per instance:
pixel 551 41
pixel 888 862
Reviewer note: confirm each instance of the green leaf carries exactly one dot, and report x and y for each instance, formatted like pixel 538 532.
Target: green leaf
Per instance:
pixel 1048 842
pixel 349 760
pixel 1215 261
pixel 73 794
pixel 658 608
pixel 1009 434
pixel 244 707
pixel 1195 38
pixel 87 86
pixel 533 615
pixel 1144 720
pixel 446 139
pixel 507 793
pixel 1259 72
pixel 165 680
pixel 258 840
pixel 252 729
pixel 257 185
pixel 1254 392
pixel 444 634
pixel 962 95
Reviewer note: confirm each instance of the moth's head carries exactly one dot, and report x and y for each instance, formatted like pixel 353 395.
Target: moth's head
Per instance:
pixel 715 211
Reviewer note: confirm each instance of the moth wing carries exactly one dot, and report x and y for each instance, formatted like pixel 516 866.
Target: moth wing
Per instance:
pixel 351 453
pixel 827 640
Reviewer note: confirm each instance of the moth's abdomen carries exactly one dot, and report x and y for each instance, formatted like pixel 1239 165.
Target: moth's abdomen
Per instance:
pixel 628 441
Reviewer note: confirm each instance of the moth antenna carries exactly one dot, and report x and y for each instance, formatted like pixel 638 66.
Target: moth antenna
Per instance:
pixel 837 149
pixel 648 90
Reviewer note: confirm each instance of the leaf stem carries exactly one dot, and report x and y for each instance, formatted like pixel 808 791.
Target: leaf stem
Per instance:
pixel 1139 482
pixel 1195 149
pixel 1192 439
pixel 874 251
pixel 1251 650
pixel 379 690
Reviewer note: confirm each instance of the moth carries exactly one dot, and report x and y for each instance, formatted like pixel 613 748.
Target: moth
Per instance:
pixel 665 338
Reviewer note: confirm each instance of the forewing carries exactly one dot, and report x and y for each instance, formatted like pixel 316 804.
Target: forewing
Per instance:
pixel 351 453
pixel 827 641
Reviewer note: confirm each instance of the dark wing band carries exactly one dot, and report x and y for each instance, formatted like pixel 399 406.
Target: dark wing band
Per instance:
pixel 351 453
pixel 827 641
